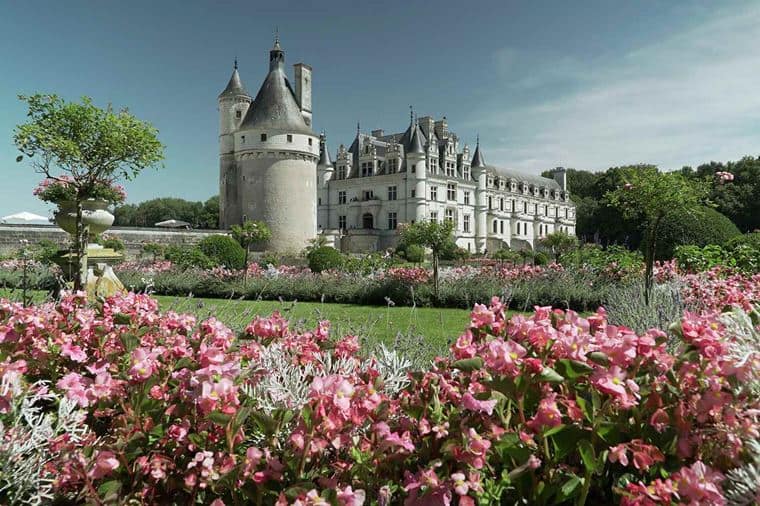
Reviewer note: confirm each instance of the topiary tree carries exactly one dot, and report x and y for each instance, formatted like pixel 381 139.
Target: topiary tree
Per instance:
pixel 83 151
pixel 223 250
pixel 559 243
pixel 433 235
pixel 651 196
pixel 698 227
pixel 324 258
pixel 248 234
pixel 414 253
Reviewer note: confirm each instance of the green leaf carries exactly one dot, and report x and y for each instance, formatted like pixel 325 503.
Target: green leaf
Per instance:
pixel 569 488
pixel 588 455
pixel 109 490
pixel 219 418
pixel 468 364
pixel 599 358
pixel 555 430
pixel 551 376
pixel 573 369
pixel 583 405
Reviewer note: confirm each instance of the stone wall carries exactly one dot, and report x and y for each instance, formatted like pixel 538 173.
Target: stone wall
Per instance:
pixel 133 238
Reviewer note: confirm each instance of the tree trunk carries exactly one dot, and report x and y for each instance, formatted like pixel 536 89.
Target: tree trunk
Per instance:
pixel 80 250
pixel 435 277
pixel 651 250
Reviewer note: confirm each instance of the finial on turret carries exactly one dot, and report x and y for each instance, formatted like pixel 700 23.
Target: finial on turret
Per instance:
pixel 276 37
pixel 235 65
pixel 358 129
pixel 411 115
pixel 477 140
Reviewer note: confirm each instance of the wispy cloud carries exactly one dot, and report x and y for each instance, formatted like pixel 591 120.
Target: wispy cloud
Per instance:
pixel 682 100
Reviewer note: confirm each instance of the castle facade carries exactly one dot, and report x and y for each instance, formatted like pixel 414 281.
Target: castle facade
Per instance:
pixel 275 169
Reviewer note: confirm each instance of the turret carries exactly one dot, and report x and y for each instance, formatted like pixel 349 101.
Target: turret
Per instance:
pixel 417 170
pixel 325 173
pixel 478 167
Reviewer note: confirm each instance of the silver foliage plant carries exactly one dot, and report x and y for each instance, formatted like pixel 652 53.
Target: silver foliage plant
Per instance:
pixel 26 437
pixel 742 485
pixel 742 330
pixel 626 306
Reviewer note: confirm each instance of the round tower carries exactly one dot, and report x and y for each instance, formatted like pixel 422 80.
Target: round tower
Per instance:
pixel 478 167
pixel 325 173
pixel 234 103
pixel 276 155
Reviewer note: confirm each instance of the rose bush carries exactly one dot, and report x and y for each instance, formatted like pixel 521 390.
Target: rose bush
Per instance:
pixel 546 408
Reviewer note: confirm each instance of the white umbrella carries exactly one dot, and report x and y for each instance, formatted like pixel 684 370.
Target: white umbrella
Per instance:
pixel 173 224
pixel 25 218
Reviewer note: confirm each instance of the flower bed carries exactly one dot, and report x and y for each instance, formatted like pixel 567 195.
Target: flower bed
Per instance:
pixel 123 402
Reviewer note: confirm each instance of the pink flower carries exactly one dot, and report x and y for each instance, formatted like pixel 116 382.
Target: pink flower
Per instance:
pixel 659 420
pixel 699 484
pixel 105 462
pixel 471 403
pixel 74 352
pixel 143 364
pixel 461 487
pixel 350 497
pixel 618 454
pixel 534 462
pixel 547 415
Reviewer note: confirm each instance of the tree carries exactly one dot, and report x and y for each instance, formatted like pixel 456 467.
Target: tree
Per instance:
pixel 248 234
pixel 86 147
pixel 433 235
pixel 652 196
pixel 559 243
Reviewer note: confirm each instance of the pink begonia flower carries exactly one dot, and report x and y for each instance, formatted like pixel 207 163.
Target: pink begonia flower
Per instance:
pixel 350 497
pixel 504 356
pixel 105 462
pixel 699 484
pixel 618 454
pixel 481 316
pixel 547 415
pixel 659 420
pixel 217 502
pixel 74 352
pixel 471 403
pixel 477 447
pixel 613 382
pixel 143 364
pixel 534 462
pixel 464 347
pixel 461 487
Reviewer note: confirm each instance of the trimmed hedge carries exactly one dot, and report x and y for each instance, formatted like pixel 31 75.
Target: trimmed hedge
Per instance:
pixel 325 258
pixel 701 227
pixel 223 250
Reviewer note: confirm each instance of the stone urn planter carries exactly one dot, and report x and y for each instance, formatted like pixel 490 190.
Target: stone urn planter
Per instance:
pixel 95 214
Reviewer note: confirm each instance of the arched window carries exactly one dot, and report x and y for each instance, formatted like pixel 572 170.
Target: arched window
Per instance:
pixel 495 226
pixel 368 221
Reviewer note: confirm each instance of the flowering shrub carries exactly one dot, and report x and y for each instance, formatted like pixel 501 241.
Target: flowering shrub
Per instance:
pixel 539 409
pixel 62 189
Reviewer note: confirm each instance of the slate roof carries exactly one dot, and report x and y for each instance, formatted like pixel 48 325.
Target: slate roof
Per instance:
pixel 235 86
pixel 275 107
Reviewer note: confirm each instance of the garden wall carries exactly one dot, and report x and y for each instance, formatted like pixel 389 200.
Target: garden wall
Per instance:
pixel 133 238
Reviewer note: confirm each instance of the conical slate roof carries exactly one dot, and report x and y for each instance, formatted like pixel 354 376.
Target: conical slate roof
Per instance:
pixel 415 144
pixel 324 154
pixel 235 86
pixel 477 158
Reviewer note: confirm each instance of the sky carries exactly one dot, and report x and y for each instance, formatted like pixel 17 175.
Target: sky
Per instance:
pixel 588 85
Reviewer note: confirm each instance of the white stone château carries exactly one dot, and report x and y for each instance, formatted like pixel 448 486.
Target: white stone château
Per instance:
pixel 383 180
pixel 275 169
pixel 268 155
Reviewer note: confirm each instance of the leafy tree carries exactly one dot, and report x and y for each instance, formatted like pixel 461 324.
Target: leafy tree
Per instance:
pixel 86 146
pixel 559 243
pixel 150 212
pixel 652 196
pixel 433 235
pixel 249 234
pixel 699 227
pixel 739 199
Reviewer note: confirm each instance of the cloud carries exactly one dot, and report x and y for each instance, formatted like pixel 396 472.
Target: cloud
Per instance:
pixel 682 100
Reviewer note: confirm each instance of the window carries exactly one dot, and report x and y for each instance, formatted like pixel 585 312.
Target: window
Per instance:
pixel 433 193
pixel 341 172
pixel 501 224
pixel 466 172
pixel 342 222
pixel 391 193
pixel 392 166
pixel 518 228
pixel 449 215
pixel 451 192
pixel 535 208
pixel 546 210
pixel 565 212
pixel 433 166
pixel 513 206
pixel 414 193
pixel 310 139
pixel 490 202
pixel 367 168
pixel 433 216
pixel 368 195
pixel 319 201
pixel 341 197
pixel 242 139
pixel 495 226
pixel 290 138
pixel 525 207
pixel 414 168
pixel 466 223
pixel 392 221
pixel 466 196
pixel 501 204
pixel 263 137
pixel 450 169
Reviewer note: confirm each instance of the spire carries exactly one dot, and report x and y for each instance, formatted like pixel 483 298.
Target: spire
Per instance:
pixel 415 143
pixel 276 55
pixel 477 158
pixel 324 154
pixel 235 85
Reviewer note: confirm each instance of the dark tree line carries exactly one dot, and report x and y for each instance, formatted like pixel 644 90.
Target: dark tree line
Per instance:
pixel 598 222
pixel 150 212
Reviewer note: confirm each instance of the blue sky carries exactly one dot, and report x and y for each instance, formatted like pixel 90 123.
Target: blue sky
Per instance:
pixel 587 84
